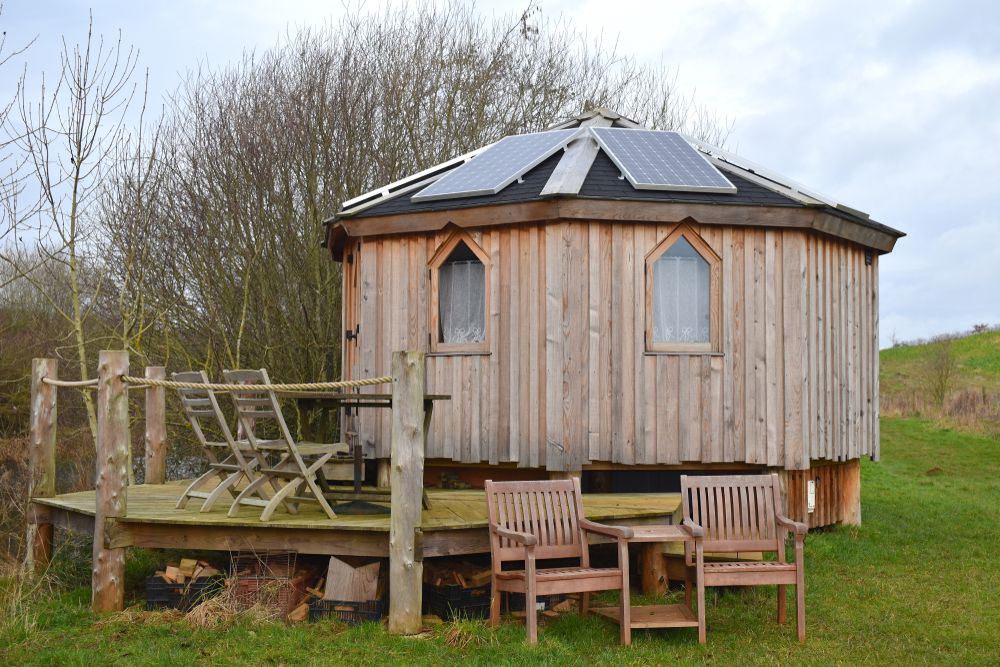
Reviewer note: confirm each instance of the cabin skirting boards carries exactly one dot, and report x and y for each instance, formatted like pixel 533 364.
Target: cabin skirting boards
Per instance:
pixel 837 489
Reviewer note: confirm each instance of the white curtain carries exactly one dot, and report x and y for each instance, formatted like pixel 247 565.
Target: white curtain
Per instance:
pixel 462 301
pixel 680 296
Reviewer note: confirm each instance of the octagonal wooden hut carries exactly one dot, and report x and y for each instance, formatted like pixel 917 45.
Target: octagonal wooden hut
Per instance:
pixel 625 304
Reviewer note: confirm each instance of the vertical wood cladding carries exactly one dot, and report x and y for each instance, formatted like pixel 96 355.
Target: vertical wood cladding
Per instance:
pixel 567 379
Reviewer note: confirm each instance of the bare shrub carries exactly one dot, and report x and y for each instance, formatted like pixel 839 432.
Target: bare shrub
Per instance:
pixel 75 472
pixel 229 607
pixel 13 496
pixel 903 404
pixel 975 410
pixel 940 369
pixel 20 594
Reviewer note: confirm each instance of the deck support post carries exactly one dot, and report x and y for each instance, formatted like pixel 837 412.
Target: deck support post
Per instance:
pixel 108 580
pixel 406 481
pixel 383 473
pixel 156 428
pixel 653 566
pixel 850 498
pixel 41 462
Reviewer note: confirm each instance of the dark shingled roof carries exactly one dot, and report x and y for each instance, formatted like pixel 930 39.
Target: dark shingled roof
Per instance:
pixel 602 182
pixel 532 184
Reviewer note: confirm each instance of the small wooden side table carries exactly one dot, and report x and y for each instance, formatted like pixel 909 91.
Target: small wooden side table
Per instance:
pixel 656 615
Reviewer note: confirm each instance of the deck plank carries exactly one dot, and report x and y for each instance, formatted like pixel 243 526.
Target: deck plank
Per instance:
pixel 450 510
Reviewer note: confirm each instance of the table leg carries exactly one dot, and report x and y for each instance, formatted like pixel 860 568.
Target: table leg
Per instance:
pixel 358 466
pixel 324 485
pixel 626 602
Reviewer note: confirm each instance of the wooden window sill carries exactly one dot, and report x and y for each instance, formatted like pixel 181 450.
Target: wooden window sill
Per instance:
pixel 460 353
pixel 686 353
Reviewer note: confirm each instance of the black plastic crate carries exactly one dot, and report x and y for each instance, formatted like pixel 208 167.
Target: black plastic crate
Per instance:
pixel 162 594
pixel 515 601
pixel 345 611
pixel 448 602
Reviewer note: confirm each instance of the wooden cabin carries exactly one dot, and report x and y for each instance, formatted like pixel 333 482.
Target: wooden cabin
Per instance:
pixel 624 304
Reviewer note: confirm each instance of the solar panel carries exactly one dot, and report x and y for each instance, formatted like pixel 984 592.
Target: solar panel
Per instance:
pixel 497 167
pixel 659 160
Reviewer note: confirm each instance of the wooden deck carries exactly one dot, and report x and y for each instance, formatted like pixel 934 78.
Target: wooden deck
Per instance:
pixel 454 524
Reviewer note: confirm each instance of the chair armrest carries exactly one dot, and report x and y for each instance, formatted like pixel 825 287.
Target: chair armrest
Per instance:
pixel 794 526
pixel 526 539
pixel 620 532
pixel 693 529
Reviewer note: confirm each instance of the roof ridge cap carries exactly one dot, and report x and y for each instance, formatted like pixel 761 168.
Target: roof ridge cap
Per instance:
pixel 569 174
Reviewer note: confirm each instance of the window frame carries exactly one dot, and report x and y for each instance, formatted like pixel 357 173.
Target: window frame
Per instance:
pixel 714 344
pixel 437 259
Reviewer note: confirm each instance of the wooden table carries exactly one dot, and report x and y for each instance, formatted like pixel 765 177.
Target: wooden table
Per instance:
pixel 656 615
pixel 327 401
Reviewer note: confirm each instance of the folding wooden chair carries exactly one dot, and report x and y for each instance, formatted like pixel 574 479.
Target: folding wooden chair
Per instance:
pixel 742 513
pixel 296 472
pixel 230 460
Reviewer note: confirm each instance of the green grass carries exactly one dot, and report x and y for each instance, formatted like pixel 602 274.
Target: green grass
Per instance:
pixel 917 582
pixel 977 357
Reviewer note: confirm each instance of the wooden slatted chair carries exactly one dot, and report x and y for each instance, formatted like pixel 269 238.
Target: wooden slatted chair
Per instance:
pixel 742 513
pixel 231 461
pixel 296 471
pixel 531 521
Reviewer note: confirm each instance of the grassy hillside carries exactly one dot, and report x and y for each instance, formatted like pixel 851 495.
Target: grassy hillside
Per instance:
pixel 977 358
pixel 971 395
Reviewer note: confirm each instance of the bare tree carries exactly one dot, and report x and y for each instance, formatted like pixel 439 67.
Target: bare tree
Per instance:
pixel 12 163
pixel 67 134
pixel 125 223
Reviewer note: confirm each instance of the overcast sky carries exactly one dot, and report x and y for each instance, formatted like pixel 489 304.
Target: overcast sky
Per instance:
pixel 892 107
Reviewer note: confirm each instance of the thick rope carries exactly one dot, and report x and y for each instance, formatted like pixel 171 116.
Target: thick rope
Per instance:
pixel 307 386
pixel 79 384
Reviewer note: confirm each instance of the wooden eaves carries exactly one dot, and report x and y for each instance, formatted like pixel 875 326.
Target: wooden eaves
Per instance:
pixel 817 218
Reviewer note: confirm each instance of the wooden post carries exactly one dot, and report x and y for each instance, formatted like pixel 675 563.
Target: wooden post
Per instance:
pixel 108 580
pixel 407 481
pixel 156 428
pixel 653 567
pixel 851 493
pixel 383 477
pixel 41 462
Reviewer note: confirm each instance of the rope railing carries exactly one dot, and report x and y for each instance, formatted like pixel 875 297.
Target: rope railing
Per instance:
pixel 301 386
pixel 77 384
pixel 144 382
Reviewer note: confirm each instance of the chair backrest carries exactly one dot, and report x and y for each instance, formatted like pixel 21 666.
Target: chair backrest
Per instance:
pixel 257 404
pixel 737 512
pixel 201 404
pixel 549 509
